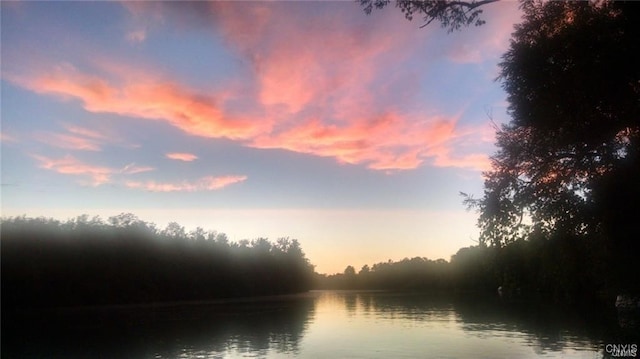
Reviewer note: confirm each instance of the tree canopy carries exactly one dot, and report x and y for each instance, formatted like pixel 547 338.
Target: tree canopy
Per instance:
pixel 567 162
pixel 451 14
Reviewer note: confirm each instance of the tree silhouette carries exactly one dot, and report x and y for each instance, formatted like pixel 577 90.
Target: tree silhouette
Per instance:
pixel 350 271
pixel 88 262
pixel 451 14
pixel 567 163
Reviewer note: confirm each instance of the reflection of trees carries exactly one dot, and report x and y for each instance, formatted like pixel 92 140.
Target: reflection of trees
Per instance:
pixel 391 305
pixel 546 327
pixel 550 327
pixel 351 303
pixel 184 330
pixel 413 306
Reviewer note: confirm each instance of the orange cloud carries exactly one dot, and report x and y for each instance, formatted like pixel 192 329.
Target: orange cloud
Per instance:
pixel 444 158
pixel 154 99
pixel 461 148
pixel 204 184
pixel 386 143
pixel 180 156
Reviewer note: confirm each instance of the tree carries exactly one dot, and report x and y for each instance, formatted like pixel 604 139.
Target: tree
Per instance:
pixel 567 162
pixel 451 14
pixel 198 234
pixel 350 271
pixel 365 270
pixel 174 230
pixel 124 220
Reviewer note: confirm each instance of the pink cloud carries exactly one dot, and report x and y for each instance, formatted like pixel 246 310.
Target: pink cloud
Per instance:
pixel 6 138
pixel 136 36
pixel 442 157
pixel 348 86
pixel 342 80
pixel 97 175
pixel 461 148
pixel 301 60
pixel 386 143
pixel 132 168
pixel 70 142
pixel 86 132
pixel 71 166
pixel 489 41
pixel 336 84
pixel 77 138
pixel 204 184
pixel 181 156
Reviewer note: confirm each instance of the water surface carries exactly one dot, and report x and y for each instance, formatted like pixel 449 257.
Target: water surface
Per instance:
pixel 319 324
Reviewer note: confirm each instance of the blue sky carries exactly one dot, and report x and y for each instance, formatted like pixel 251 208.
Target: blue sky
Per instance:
pixel 352 133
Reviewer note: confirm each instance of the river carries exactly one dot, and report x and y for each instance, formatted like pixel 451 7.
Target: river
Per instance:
pixel 319 324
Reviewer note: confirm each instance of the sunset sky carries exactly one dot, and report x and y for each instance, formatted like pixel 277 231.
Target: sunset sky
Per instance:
pixel 353 134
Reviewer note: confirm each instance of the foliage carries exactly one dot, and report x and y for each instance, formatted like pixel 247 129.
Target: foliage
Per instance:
pixel 82 261
pixel 474 269
pixel 408 274
pixel 554 270
pixel 567 166
pixel 451 14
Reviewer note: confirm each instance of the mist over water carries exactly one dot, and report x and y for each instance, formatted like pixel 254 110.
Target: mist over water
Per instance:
pixel 319 324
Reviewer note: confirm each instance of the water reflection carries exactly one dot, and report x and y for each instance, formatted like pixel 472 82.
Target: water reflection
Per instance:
pixel 211 330
pixel 546 328
pixel 318 324
pixel 507 328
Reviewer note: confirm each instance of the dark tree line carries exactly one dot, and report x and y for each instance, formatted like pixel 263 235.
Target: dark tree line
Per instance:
pixel 89 262
pixel 558 271
pixel 415 274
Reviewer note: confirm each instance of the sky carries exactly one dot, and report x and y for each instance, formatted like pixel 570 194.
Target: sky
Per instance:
pixel 352 133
